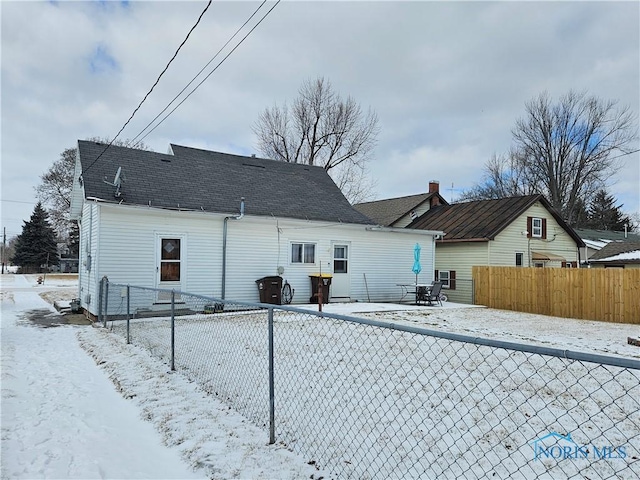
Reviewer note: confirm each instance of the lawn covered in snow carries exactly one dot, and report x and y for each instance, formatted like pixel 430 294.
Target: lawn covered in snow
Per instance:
pixel 366 402
pixel 115 413
pixel 352 400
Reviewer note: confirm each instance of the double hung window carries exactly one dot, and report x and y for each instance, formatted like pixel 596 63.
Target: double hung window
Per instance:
pixel 304 253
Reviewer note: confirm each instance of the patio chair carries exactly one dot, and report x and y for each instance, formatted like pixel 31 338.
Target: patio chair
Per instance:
pixel 422 295
pixel 433 295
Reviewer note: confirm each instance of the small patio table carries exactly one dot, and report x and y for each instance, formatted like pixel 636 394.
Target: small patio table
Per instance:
pixel 413 288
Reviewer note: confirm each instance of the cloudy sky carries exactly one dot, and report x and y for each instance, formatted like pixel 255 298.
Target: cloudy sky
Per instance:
pixel 447 79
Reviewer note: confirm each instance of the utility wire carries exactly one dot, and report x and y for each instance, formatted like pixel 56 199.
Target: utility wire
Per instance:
pixel 198 74
pixel 212 71
pixel 16 201
pixel 153 86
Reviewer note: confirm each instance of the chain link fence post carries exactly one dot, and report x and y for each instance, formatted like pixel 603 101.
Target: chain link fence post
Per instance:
pixel 100 295
pixel 272 403
pixel 173 330
pixel 473 292
pixel 128 314
pixel 106 302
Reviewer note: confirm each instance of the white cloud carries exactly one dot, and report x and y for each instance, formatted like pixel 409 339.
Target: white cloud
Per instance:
pixel 447 79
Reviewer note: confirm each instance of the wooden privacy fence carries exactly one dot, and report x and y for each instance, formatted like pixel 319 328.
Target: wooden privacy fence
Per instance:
pixel 606 294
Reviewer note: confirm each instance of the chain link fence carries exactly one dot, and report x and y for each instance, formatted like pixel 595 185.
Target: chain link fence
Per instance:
pixel 462 292
pixel 369 399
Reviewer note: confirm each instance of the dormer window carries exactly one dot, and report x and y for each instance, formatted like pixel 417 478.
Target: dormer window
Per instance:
pixel 536 227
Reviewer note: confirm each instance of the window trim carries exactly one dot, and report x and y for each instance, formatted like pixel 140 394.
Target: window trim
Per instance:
pixel 451 279
pixel 542 234
pixel 304 246
pixel 521 259
pixel 342 260
pixel 535 220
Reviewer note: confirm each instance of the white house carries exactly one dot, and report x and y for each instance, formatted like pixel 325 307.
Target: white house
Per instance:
pixel 213 223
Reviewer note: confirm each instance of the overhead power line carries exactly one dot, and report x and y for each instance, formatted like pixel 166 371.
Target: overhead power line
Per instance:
pixel 152 87
pixel 210 73
pixel 17 201
pixel 198 74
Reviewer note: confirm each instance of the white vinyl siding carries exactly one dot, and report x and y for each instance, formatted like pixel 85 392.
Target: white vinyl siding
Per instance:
pixel 256 247
pixel 461 257
pixel 514 239
pixel 128 247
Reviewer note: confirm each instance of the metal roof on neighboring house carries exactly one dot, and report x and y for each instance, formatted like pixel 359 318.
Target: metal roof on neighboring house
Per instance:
pixel 194 179
pixel 482 220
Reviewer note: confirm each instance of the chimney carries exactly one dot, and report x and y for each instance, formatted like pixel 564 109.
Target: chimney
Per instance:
pixel 434 187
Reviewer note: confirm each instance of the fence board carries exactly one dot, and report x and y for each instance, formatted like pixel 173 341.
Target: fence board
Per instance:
pixel 610 295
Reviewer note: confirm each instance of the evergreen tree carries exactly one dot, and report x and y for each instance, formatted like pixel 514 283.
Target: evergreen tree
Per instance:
pixel 36 245
pixel 605 215
pixel 581 215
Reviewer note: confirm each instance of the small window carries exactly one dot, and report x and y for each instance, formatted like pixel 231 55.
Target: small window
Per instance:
pixel 444 278
pixel 536 227
pixel 519 259
pixel 303 253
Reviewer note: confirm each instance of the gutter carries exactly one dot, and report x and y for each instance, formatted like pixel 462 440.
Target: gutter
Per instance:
pixel 224 247
pixel 406 230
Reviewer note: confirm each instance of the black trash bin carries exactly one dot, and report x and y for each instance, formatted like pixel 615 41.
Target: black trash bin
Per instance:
pixel 325 280
pixel 270 289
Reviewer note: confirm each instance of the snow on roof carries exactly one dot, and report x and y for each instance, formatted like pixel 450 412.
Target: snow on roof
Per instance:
pixel 633 255
pixel 596 244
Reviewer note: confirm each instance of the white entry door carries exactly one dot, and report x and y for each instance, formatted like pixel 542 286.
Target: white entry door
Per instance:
pixel 341 282
pixel 169 266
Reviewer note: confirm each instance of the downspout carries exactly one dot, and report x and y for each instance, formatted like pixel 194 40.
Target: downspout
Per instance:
pixel 224 246
pixel 433 257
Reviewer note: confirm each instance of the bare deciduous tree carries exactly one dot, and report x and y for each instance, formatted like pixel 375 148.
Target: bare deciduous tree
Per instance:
pixel 54 190
pixel 566 150
pixel 503 176
pixel 355 182
pixel 322 129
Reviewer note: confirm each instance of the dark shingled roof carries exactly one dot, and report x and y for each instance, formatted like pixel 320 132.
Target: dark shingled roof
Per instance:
pixel 616 248
pixel 386 212
pixel 482 220
pixel 193 179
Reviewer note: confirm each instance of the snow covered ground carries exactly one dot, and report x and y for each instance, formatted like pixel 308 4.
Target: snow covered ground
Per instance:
pixel 62 417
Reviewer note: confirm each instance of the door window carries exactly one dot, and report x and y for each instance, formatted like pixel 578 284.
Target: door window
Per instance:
pixel 170 260
pixel 340 259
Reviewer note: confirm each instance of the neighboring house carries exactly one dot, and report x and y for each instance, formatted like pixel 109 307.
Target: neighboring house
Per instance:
pixel 213 223
pixel 617 255
pixel 518 231
pixel 401 211
pixel 594 240
pixel 68 265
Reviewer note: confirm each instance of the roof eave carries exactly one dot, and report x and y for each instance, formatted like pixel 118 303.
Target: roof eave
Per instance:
pixel 463 240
